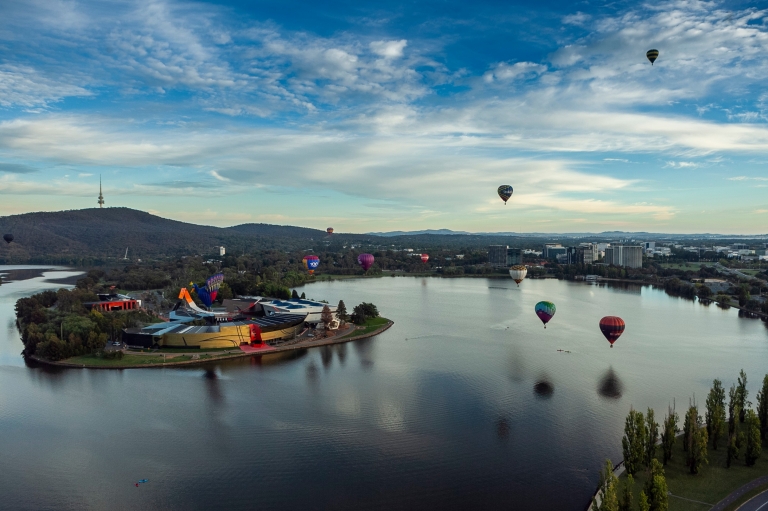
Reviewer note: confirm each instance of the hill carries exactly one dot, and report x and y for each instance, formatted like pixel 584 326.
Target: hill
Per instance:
pixel 106 233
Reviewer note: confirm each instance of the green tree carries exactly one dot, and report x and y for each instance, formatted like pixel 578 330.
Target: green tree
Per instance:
pixel 733 450
pixel 225 293
pixel 715 414
pixel 608 492
pixel 656 488
pixel 644 504
pixel 733 410
pixel 741 394
pixel 669 434
pixel 762 408
pixel 303 296
pixel 744 297
pixel 341 312
pixel 625 503
pixel 695 438
pixel 294 295
pixel 752 438
pixel 652 437
pixel 633 442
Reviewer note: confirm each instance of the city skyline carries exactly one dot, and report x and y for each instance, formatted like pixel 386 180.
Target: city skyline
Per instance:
pixel 384 117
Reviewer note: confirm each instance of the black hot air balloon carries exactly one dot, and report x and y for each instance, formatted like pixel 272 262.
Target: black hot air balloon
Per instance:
pixel 652 55
pixel 505 192
pixel 8 237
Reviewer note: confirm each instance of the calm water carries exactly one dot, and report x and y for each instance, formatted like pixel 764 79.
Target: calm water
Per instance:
pixel 464 404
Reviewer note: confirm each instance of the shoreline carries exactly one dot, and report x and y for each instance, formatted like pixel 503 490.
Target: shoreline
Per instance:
pixel 230 356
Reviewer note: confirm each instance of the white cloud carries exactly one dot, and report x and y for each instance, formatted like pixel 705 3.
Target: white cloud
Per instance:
pixel 389 49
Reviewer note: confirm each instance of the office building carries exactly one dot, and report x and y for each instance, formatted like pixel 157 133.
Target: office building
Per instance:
pixel 497 255
pixel 630 256
pixel 514 256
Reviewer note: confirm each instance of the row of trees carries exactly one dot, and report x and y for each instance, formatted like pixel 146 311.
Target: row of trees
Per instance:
pixel 735 423
pixel 616 497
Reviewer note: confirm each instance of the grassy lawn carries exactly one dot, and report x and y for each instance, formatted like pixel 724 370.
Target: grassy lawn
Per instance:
pixel 129 360
pixel 712 484
pixel 371 325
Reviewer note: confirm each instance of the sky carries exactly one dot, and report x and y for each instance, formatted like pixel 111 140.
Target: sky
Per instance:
pixel 390 115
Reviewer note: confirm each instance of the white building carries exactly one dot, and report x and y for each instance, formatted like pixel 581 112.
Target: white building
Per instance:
pixel 222 251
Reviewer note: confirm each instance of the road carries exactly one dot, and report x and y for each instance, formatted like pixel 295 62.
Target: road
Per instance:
pixel 752 505
pixel 758 503
pixel 730 271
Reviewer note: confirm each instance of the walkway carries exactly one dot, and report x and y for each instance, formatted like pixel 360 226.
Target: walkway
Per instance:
pixel 762 498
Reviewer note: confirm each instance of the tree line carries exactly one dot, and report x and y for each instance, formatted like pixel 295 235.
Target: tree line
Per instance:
pixel 732 424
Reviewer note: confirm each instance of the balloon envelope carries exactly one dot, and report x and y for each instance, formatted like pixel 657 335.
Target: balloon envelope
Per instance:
pixel 505 192
pixel 329 230
pixel 518 273
pixel 311 262
pixel 612 328
pixel 652 55
pixel 8 237
pixel 424 258
pixel 210 290
pixel 365 260
pixel 545 311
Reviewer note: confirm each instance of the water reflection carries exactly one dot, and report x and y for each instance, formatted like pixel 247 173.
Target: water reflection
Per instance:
pixel 365 351
pixel 502 428
pixel 341 352
pixel 544 389
pixel 212 386
pixel 326 356
pixel 624 287
pixel 610 385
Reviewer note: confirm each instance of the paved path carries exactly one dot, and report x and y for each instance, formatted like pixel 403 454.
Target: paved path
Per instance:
pixel 762 498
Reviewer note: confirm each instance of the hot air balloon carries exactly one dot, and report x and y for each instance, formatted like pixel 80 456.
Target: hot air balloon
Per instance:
pixel 424 258
pixel 652 55
pixel 612 328
pixel 365 260
pixel 505 192
pixel 8 237
pixel 329 230
pixel 545 311
pixel 518 273
pixel 208 292
pixel 311 262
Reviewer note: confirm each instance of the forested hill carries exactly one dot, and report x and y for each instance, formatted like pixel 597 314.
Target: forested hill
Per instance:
pixel 104 234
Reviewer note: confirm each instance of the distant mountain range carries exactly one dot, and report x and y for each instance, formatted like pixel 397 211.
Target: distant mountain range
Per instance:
pixel 80 236
pixel 602 235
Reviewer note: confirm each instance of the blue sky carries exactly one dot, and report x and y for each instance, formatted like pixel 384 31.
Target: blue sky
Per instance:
pixel 375 116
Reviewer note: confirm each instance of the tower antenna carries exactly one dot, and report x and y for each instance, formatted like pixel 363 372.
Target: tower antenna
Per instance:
pixel 101 196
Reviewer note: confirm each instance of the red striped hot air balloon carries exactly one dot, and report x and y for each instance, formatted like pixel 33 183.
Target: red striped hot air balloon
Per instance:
pixel 424 258
pixel 612 328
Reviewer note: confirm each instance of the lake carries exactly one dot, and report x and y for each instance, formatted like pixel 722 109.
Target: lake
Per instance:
pixel 465 403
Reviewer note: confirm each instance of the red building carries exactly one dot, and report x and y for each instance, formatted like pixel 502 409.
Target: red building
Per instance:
pixel 113 305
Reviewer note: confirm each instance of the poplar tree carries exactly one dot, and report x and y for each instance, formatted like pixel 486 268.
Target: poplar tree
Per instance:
pixel 752 440
pixel 625 503
pixel 656 488
pixel 652 436
pixel 644 504
pixel 762 408
pixel 669 434
pixel 715 414
pixel 741 393
pixel 696 440
pixel 633 442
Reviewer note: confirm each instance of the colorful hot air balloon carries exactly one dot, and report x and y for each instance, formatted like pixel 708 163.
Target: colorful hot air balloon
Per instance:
pixel 365 260
pixel 518 273
pixel 8 237
pixel 311 262
pixel 210 290
pixel 505 192
pixel 424 258
pixel 329 230
pixel 545 311
pixel 652 55
pixel 612 328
